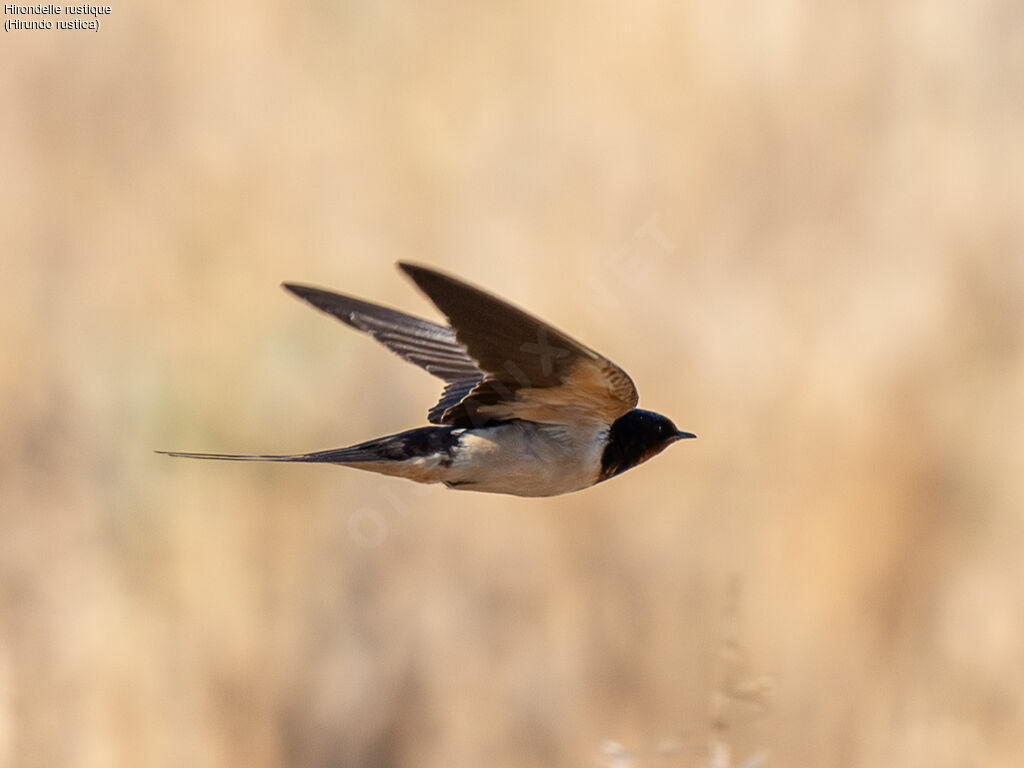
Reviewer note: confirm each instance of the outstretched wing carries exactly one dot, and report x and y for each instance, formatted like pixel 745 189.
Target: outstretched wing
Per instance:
pixel 432 347
pixel 533 371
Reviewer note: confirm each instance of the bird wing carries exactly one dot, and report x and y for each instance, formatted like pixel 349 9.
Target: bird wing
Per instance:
pixel 432 347
pixel 533 371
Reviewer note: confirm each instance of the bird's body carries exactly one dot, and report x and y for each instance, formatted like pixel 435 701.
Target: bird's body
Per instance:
pixel 517 457
pixel 526 410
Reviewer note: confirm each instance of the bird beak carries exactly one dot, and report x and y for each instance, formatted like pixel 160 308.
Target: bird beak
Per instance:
pixel 680 435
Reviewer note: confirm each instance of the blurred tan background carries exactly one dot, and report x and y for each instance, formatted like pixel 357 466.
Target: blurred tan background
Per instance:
pixel 797 225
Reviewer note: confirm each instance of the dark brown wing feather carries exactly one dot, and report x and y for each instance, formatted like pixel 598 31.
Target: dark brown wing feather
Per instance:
pixel 534 371
pixel 428 345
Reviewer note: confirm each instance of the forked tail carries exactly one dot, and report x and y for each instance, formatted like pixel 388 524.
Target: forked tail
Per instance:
pixel 336 456
pixel 413 444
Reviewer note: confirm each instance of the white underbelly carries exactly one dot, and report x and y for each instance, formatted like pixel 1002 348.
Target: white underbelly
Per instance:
pixel 523 459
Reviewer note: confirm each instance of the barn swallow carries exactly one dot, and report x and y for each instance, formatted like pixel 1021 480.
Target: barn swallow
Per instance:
pixel 526 410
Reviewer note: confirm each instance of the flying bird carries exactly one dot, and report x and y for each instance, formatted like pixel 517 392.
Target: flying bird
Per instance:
pixel 526 410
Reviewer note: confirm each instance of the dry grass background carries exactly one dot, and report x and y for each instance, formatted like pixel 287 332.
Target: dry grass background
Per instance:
pixel 798 225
